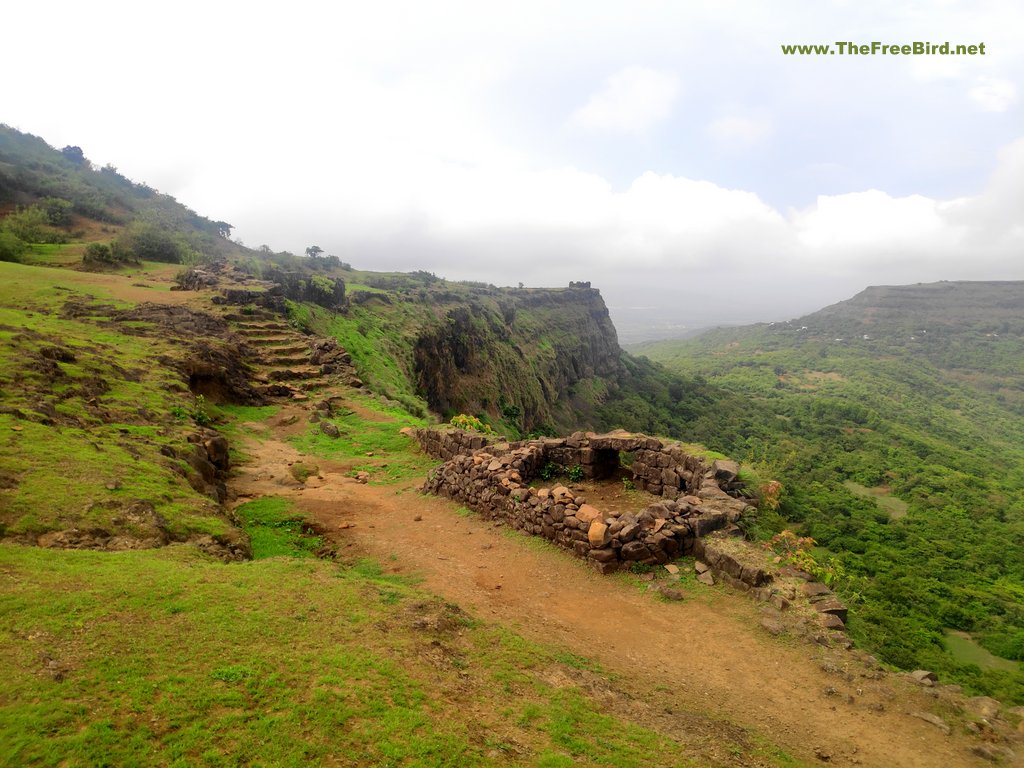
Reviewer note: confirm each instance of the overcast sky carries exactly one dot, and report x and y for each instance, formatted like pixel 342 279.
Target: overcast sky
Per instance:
pixel 666 151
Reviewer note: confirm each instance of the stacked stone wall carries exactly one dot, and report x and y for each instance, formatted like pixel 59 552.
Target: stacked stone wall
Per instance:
pixel 494 478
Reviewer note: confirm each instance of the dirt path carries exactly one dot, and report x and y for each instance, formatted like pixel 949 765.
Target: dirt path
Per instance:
pixel 706 655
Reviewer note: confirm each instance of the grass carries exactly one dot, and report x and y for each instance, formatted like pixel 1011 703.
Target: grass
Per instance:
pixel 275 529
pixel 165 657
pixel 965 650
pixel 374 339
pixel 896 508
pixel 84 435
pixel 373 440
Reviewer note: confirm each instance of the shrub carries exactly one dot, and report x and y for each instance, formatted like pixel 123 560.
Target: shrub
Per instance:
pixel 98 253
pixel 471 423
pixel 58 211
pixel 150 242
pixel 550 471
pixel 575 473
pixel 32 225
pixel 11 246
pixel 796 551
pixel 200 412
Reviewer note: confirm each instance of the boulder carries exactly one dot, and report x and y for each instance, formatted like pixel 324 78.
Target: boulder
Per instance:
pixel 725 471
pixel 329 429
pixel 815 589
pixel 773 626
pixel 833 607
pixel 628 532
pixel 983 706
pixel 598 534
pixel 217 451
pixel 935 720
pixel 634 550
pixel 924 677
pixel 603 555
pixel 831 621
pixel 587 513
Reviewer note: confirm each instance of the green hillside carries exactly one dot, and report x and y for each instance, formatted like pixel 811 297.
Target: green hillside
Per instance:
pixel 55 203
pixel 215 549
pixel 896 421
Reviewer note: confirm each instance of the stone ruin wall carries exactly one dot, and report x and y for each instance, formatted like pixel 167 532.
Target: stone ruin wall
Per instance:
pixel 494 477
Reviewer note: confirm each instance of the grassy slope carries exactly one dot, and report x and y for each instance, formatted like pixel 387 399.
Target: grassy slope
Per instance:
pixel 166 658
pixel 936 421
pixel 81 439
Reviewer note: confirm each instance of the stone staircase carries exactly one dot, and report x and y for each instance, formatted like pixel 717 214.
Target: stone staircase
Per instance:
pixel 291 364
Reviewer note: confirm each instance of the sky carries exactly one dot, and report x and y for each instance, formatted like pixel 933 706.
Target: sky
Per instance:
pixel 668 152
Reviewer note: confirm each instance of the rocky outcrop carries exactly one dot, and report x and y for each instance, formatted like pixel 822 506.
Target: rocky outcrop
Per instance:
pixel 204 463
pixel 494 479
pixel 539 343
pixel 278 285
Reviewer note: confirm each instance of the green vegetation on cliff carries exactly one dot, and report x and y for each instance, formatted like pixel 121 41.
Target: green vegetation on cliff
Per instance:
pixel 526 361
pixel 896 421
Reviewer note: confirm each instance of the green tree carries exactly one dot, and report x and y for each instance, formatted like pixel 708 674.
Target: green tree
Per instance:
pixel 148 242
pixel 58 211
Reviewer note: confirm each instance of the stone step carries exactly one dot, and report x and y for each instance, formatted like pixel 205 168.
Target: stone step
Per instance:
pixel 294 373
pixel 255 317
pixel 263 326
pixel 273 352
pixel 260 332
pixel 288 361
pixel 275 341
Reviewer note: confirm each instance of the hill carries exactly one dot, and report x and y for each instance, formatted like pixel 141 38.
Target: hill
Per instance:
pixel 214 550
pixel 54 203
pixel 896 420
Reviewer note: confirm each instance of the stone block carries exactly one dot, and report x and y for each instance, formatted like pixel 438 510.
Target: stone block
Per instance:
pixel 634 550
pixel 588 513
pixel 598 534
pixel 603 555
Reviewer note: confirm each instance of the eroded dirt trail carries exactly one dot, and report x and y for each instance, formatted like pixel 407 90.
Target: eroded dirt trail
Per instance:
pixel 706 655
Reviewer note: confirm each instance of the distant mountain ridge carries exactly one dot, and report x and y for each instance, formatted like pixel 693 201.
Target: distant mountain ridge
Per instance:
pixel 986 306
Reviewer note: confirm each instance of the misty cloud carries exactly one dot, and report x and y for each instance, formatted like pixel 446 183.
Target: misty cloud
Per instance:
pixel 631 102
pixel 668 152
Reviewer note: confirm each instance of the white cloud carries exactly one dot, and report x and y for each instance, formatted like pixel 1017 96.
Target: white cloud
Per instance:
pixel 861 220
pixel 993 94
pixel 407 135
pixel 739 130
pixel 632 101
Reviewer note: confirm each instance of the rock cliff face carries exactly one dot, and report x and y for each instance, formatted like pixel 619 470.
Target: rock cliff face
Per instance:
pixel 524 354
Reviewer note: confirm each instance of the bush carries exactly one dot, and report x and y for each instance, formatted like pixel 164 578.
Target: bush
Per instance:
pixel 148 242
pixel 11 246
pixel 58 211
pixel 32 225
pixel 550 471
pixel 98 253
pixel 471 423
